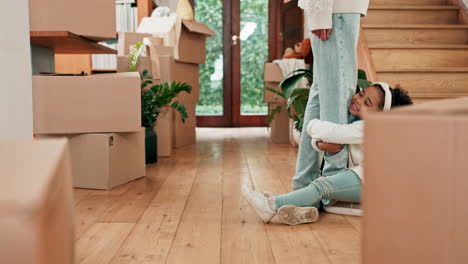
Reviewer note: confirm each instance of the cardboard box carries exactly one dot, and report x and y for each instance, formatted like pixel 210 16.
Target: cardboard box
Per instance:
pixel 184 134
pixel 123 64
pixel 416 184
pixel 272 77
pixel 36 203
pixel 188 73
pixel 163 129
pixel 87 104
pixel 279 127
pixel 192 42
pixel 176 71
pixel 106 160
pixel 147 62
pixel 167 71
pixel 128 39
pixel 89 18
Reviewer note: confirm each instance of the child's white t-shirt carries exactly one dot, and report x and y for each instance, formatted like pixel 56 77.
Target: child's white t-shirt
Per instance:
pixel 349 134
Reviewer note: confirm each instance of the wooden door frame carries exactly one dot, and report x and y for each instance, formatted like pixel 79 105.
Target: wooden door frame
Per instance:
pixel 225 119
pixel 231 53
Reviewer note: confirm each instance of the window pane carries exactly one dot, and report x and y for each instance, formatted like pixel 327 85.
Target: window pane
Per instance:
pixel 210 12
pixel 254 53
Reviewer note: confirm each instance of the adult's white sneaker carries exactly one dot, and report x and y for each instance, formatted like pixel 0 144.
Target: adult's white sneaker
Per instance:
pixel 344 208
pixel 261 202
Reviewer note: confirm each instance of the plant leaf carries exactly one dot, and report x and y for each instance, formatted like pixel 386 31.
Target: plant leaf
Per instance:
pixel 276 92
pixel 363 83
pixel 135 53
pixel 181 109
pixel 271 116
pixel 362 75
pixel 290 82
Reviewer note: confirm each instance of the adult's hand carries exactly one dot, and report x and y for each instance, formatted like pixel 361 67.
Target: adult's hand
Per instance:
pixel 322 34
pixel 329 147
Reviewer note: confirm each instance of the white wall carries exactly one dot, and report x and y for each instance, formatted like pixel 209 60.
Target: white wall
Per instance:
pixel 15 71
pixel 466 2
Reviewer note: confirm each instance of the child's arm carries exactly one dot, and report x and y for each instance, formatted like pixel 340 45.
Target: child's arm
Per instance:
pixel 335 133
pixel 329 147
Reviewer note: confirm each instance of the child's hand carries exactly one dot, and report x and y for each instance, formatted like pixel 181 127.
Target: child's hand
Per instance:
pixel 329 147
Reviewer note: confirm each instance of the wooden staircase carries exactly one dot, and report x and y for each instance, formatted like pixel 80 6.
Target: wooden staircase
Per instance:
pixel 420 45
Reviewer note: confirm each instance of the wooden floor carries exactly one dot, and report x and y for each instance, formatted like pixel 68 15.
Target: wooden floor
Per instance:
pixel 189 209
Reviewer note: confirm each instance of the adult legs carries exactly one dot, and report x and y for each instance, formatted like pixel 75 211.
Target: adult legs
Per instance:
pixel 308 160
pixel 335 78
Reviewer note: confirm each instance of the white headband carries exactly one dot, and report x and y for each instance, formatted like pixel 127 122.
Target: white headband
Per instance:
pixel 388 95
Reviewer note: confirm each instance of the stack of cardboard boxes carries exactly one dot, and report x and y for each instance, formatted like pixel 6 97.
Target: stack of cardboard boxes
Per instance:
pixel 101 117
pixel 279 127
pixel 172 132
pixel 99 114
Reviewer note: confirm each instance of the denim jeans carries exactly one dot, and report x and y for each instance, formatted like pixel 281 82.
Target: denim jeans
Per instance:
pixel 335 79
pixel 344 186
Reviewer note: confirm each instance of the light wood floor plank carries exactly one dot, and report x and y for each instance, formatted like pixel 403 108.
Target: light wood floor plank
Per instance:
pixel 152 237
pixel 198 238
pixel 338 238
pixel 80 194
pixel 100 242
pixel 130 207
pixel 244 239
pixel 89 210
pixel 356 222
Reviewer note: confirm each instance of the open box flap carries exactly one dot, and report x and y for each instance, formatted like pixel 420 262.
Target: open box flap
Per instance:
pixel 198 28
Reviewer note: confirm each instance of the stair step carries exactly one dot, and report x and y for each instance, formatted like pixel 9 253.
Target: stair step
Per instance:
pixel 418 46
pixel 428 83
pixel 416 34
pixel 428 70
pixel 419 56
pixel 420 100
pixel 405 2
pixel 414 26
pixel 412 15
pixel 412 7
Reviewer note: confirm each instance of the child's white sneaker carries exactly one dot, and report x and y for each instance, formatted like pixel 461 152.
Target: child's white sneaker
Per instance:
pixel 261 202
pixel 293 215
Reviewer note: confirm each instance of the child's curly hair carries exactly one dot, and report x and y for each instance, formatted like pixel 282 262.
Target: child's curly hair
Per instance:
pixel 400 96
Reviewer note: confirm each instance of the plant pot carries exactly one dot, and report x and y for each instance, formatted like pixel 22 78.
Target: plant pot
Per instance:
pixel 151 146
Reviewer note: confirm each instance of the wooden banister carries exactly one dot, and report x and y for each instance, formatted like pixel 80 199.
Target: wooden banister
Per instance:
pixel 365 61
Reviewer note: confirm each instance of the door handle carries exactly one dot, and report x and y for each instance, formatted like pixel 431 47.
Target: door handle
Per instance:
pixel 235 40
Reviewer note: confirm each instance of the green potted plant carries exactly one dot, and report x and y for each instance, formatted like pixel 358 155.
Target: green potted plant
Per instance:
pixel 297 98
pixel 153 98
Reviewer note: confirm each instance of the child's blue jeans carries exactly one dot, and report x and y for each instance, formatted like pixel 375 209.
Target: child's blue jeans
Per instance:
pixel 335 79
pixel 344 186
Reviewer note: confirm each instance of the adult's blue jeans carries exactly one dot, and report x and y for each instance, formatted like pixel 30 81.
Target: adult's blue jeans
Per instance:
pixel 334 83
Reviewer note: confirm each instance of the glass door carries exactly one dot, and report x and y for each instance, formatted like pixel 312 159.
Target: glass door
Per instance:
pixel 253 37
pixel 231 80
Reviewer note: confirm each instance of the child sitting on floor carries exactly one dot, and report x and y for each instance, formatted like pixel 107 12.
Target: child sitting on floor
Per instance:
pixel 295 207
